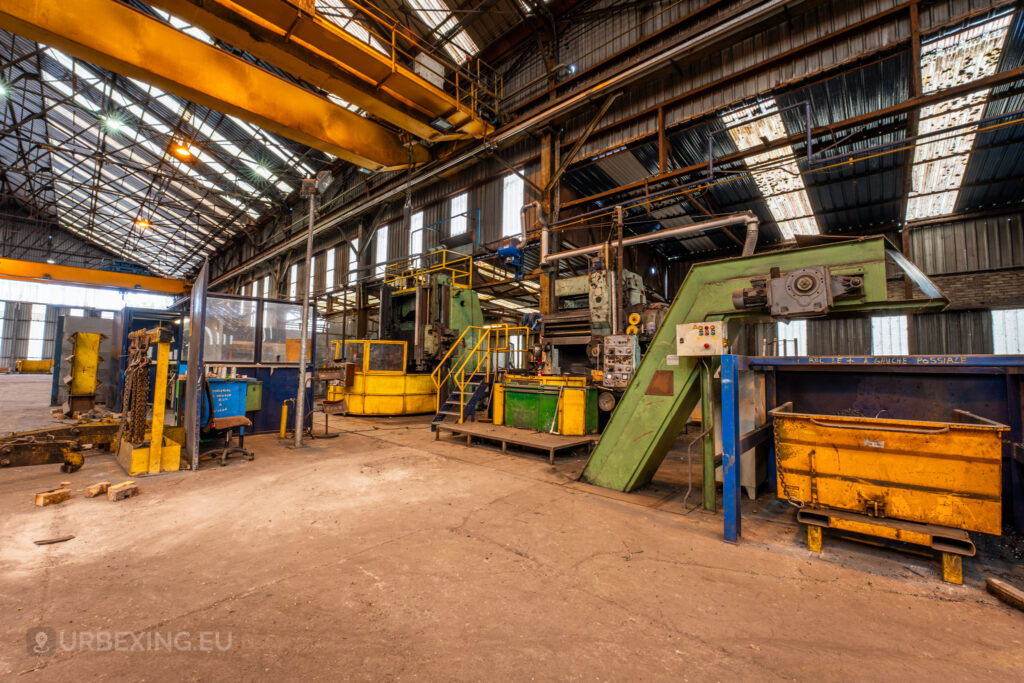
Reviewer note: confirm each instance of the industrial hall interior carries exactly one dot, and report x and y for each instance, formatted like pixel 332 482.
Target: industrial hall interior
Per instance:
pixel 478 340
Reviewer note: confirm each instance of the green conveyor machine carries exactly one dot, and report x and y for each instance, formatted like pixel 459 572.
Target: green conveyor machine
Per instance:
pixel 839 277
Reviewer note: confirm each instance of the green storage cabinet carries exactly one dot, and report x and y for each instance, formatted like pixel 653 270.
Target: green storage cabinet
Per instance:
pixel 533 407
pixel 254 396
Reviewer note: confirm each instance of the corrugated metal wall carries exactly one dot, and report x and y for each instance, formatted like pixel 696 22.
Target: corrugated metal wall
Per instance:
pixel 952 332
pixel 839 337
pixel 17 322
pixel 968 245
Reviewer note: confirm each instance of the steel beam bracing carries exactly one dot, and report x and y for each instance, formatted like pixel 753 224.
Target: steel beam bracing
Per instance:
pixel 666 387
pixel 551 112
pixel 96 30
pixel 311 47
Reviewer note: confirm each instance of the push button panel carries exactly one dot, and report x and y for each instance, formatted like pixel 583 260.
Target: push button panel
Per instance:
pixel 701 339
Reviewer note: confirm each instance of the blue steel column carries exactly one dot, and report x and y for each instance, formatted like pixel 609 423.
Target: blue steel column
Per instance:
pixel 731 446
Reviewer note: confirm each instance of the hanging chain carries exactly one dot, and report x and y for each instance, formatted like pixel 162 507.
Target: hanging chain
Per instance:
pixel 136 390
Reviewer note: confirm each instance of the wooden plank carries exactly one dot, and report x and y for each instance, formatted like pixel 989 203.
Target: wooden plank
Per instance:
pixel 97 489
pixel 1005 592
pixel 51 497
pixel 125 489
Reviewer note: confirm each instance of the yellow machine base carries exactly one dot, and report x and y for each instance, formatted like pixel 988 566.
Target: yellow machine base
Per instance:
pixel 952 544
pixel 390 393
pixel 136 460
pixel 34 367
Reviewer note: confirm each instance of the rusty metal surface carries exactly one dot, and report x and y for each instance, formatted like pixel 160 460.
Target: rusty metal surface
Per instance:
pixel 661 384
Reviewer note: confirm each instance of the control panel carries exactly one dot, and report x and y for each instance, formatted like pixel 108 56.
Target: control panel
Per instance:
pixel 621 356
pixel 701 339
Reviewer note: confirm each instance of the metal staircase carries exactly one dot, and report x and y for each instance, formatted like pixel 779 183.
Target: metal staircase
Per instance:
pixel 467 372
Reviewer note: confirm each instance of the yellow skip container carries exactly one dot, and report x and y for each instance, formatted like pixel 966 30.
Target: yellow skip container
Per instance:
pixel 943 473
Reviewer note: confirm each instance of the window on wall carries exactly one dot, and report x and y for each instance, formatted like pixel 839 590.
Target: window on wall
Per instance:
pixel 36 332
pixel 511 205
pixel 1008 332
pixel 889 335
pixel 382 249
pixel 293 281
pixel 459 206
pixel 791 338
pixel 353 261
pixel 266 287
pixel 329 269
pixel 416 238
pixel 3 312
pixel 312 274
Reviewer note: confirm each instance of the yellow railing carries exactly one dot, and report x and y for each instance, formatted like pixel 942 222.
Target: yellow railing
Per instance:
pixel 403 275
pixel 491 352
pixel 476 86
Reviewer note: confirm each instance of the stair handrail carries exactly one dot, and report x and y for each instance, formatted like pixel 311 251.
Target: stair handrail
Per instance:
pixel 489 343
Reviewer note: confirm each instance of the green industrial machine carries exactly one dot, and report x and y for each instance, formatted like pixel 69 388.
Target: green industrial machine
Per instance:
pixel 848 276
pixel 430 306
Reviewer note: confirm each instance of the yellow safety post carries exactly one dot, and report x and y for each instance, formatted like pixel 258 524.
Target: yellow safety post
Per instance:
pixel 284 417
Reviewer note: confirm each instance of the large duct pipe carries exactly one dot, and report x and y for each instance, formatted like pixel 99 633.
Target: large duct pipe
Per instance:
pixel 750 243
pixel 745 217
pixel 522 220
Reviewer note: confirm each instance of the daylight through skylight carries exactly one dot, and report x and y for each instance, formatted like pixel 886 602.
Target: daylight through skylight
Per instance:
pixel 779 178
pixel 949 61
pixel 437 15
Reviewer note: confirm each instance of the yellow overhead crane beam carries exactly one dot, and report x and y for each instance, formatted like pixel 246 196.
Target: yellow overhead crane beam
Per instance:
pixel 320 52
pixel 118 38
pixel 15 269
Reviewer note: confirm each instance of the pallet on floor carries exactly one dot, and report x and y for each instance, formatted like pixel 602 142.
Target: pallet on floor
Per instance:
pixel 505 435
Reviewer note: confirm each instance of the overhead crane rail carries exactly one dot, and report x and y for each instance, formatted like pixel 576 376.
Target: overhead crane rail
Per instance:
pixel 381 66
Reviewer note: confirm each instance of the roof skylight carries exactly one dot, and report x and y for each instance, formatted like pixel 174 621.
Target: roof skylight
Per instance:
pixel 946 62
pixel 775 173
pixel 439 17
pixel 338 13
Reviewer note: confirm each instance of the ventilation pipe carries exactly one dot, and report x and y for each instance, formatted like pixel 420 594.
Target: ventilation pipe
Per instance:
pixel 743 218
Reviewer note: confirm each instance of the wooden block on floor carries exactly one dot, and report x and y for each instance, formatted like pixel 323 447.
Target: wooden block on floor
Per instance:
pixel 51 497
pixel 125 489
pixel 97 489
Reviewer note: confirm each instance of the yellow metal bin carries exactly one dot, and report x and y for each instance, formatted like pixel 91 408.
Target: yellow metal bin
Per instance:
pixel 939 473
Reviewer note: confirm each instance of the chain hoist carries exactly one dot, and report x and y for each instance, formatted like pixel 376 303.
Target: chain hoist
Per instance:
pixel 136 389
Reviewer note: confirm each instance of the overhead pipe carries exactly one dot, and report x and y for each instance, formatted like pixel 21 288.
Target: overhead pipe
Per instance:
pixel 744 217
pixel 750 243
pixel 562 106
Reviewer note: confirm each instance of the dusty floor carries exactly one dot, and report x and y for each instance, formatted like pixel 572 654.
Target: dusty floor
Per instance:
pixel 382 554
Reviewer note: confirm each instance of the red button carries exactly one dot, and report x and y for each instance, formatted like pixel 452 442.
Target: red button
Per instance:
pixel 707 346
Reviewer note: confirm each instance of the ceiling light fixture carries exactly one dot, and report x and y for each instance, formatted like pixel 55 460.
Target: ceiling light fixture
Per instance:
pixel 112 123
pixel 441 124
pixel 142 224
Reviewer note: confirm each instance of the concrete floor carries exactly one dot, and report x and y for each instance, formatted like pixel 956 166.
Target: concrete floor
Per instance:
pixel 382 554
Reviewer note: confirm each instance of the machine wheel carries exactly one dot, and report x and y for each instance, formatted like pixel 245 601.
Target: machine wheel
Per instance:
pixel 606 401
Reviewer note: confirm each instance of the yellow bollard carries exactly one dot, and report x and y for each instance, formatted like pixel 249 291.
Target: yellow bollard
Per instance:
pixel 284 417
